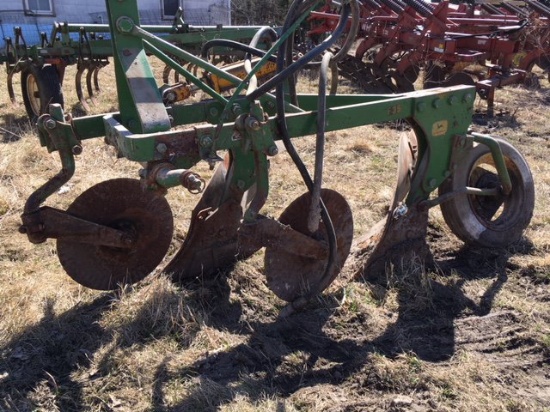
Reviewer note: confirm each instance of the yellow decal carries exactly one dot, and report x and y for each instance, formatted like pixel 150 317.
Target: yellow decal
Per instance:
pixel 440 128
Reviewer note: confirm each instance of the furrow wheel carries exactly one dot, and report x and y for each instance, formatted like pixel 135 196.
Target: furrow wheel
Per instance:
pixel 489 221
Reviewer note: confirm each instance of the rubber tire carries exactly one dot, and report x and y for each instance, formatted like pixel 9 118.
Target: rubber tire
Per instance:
pixel 49 89
pixel 462 212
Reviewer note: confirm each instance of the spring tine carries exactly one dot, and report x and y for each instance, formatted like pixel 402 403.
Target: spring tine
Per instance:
pixel 96 78
pixel 513 9
pixel 10 86
pixel 78 85
pixel 92 75
pixel 393 6
pixel 539 7
pixel 166 74
pixel 420 7
pixel 89 74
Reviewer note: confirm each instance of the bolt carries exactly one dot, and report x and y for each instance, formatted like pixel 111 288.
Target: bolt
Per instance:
pixel 253 124
pixel 143 173
pixel 452 100
pixel 192 182
pixel 77 149
pixel 236 109
pixel 206 141
pixel 214 111
pixel 162 148
pixel 436 103
pixel 240 184
pixel 421 106
pixel 50 124
pixel 467 97
pixel 125 24
pixel 400 211
pixel 272 150
pixel 432 183
pixel 170 97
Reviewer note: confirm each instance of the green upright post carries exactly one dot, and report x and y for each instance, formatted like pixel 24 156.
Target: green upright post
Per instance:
pixel 141 106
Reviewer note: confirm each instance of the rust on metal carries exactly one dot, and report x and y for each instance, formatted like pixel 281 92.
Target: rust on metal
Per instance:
pixel 290 274
pixel 120 204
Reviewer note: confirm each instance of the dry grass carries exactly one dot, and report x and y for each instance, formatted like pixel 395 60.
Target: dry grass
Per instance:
pixel 471 335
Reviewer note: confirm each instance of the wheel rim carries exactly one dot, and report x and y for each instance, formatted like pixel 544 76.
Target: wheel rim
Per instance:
pixel 494 211
pixel 33 93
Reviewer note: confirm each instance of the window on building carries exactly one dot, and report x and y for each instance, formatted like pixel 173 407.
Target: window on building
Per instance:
pixel 38 7
pixel 169 8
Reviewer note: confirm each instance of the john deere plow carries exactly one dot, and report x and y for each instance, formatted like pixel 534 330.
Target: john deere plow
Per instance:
pixel 118 231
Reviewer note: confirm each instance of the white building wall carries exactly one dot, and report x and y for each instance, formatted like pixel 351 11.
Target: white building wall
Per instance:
pixel 196 12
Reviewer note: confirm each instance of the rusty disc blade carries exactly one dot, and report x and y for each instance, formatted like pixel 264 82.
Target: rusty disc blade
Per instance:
pixel 121 204
pixel 290 275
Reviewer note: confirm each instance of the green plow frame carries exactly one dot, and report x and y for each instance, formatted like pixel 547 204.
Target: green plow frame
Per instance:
pixel 308 245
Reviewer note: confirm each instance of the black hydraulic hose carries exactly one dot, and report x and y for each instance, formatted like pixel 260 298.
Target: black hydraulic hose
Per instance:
pixel 286 50
pixel 253 84
pixel 352 34
pixel 314 213
pixel 283 129
pixel 292 69
pixel 241 47
pixel 263 33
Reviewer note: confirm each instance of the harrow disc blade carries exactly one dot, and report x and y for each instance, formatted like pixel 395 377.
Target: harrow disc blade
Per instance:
pixel 121 204
pixel 290 275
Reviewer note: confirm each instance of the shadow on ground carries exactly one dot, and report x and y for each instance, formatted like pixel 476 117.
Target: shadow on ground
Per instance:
pixel 286 355
pixel 279 356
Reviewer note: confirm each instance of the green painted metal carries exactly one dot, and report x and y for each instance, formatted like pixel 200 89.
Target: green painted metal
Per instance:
pixel 500 164
pixel 140 101
pixel 243 130
pixel 143 131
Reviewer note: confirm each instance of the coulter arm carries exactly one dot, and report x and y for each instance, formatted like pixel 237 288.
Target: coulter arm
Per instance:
pixel 119 230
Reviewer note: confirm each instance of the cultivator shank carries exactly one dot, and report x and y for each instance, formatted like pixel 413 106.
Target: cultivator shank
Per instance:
pixel 89 47
pixel 119 229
